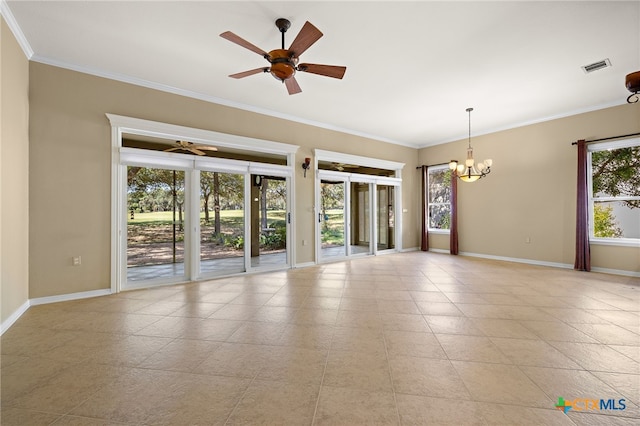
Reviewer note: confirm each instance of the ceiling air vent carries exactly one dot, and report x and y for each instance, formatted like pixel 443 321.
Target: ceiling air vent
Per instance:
pixel 596 66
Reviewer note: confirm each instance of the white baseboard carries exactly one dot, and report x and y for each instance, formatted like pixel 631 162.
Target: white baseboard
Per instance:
pixel 70 296
pixel 305 264
pixel 550 264
pixel 519 260
pixel 49 299
pixel 408 249
pixel 616 272
pixel 440 251
pixel 14 317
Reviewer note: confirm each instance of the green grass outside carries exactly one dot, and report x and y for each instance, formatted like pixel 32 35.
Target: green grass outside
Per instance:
pixel 228 218
pixel 333 228
pixel 232 216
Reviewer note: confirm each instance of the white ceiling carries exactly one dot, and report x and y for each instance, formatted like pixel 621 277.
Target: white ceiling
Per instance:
pixel 412 67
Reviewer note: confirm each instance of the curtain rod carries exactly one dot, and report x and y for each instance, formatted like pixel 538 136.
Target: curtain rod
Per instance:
pixel 608 139
pixel 432 165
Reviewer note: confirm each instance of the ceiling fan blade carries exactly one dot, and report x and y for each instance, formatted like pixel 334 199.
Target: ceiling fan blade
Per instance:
pixel 172 149
pixel 196 151
pixel 250 72
pixel 206 147
pixel 242 42
pixel 326 70
pixel 305 38
pixel 292 86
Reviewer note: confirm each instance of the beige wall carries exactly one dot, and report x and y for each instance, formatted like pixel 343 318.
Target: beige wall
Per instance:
pixel 14 174
pixel 70 168
pixel 531 190
pixel 529 193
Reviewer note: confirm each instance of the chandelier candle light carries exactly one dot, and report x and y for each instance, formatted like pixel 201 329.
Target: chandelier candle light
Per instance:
pixel 469 171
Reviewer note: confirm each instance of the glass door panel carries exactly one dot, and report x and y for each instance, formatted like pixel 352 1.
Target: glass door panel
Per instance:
pixel 268 221
pixel 386 218
pixel 222 225
pixel 332 219
pixel 360 218
pixel 155 223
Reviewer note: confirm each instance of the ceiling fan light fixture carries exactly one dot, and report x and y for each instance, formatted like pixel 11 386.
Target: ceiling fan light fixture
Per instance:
pixel 283 66
pixel 632 82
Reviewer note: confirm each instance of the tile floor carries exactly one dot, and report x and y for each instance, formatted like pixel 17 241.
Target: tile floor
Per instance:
pixel 413 338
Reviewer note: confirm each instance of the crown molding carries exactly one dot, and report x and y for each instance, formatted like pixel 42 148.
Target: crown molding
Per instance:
pixel 527 123
pixel 15 29
pixel 208 98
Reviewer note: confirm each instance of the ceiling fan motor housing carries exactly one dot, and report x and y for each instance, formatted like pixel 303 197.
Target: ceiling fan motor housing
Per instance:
pixel 632 82
pixel 283 64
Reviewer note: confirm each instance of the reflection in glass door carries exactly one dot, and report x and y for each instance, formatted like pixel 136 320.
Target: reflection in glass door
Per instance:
pixel 269 217
pixel 385 218
pixel 155 223
pixel 332 219
pixel 360 218
pixel 221 223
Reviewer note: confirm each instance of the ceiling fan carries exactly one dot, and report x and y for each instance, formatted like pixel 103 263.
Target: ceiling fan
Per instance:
pixel 341 166
pixel 284 62
pixel 191 147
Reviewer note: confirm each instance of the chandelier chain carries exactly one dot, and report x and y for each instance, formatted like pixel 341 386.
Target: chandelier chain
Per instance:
pixel 469 111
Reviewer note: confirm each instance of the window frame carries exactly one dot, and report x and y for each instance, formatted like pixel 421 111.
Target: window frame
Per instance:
pixel 431 169
pixel 597 147
pixel 122 156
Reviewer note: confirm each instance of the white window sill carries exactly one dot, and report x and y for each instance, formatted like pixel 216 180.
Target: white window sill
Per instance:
pixel 439 231
pixel 620 242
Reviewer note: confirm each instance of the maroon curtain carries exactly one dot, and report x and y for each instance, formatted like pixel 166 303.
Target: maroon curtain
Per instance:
pixel 424 243
pixel 583 255
pixel 453 232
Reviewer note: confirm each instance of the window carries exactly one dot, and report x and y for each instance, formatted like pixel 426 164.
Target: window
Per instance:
pixel 439 197
pixel 614 192
pixel 190 217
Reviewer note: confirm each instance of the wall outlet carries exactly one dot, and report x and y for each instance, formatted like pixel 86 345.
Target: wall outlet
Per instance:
pixel 304 242
pixel 77 260
pixel 527 240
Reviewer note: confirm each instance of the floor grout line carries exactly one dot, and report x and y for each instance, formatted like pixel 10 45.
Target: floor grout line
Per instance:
pixel 36 325
pixel 324 370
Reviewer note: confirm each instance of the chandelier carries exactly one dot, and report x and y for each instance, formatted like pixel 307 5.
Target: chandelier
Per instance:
pixel 469 171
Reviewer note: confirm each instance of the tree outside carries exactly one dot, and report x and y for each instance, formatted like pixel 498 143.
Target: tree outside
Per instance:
pixel 332 205
pixel 615 173
pixel 439 193
pixel 605 224
pixel 155 225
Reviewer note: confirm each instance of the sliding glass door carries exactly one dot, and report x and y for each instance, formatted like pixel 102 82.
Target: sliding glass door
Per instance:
pixel 270 218
pixel 189 203
pixel 202 219
pixel 385 217
pixel 222 223
pixel 361 218
pixel 356 213
pixel 332 219
pixel 155 223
